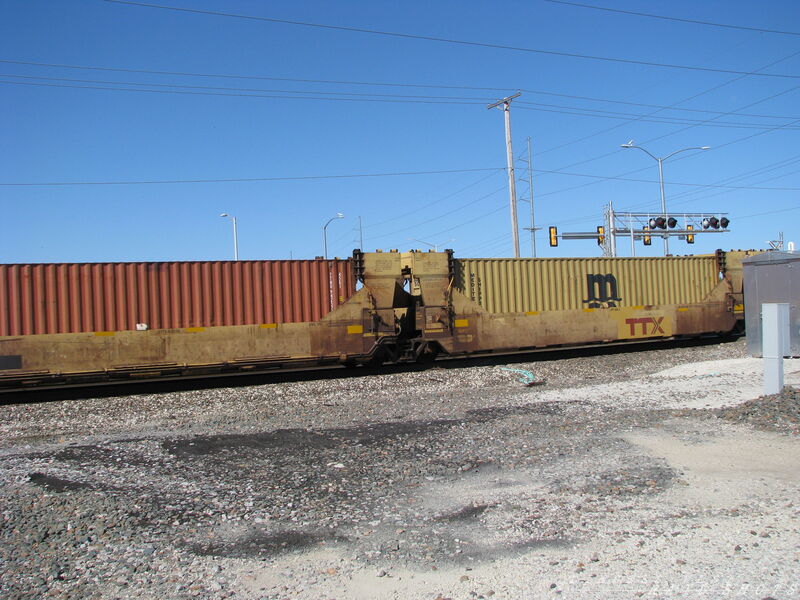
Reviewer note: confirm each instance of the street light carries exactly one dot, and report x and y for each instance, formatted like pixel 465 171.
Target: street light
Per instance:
pixel 325 234
pixel 661 178
pixel 434 246
pixel 235 236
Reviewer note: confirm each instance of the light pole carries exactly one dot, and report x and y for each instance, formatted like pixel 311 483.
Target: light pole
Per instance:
pixel 325 234
pixel 660 162
pixel 235 236
pixel 434 246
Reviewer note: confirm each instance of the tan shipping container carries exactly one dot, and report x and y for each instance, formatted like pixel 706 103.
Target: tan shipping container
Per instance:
pixel 85 297
pixel 516 285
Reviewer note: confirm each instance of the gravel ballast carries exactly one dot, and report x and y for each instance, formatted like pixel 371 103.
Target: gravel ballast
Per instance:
pixel 649 474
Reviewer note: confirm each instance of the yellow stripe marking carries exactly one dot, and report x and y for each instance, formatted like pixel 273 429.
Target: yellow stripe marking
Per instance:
pixel 589 310
pixel 532 312
pixel 355 329
pixel 268 325
pixel 194 329
pixel 682 309
pixel 640 307
pixel 104 332
pixel 461 323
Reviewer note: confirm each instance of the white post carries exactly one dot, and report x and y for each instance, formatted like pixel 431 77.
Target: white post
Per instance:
pixel 235 240
pixel 633 238
pixel 774 344
pixel 610 229
pixel 512 185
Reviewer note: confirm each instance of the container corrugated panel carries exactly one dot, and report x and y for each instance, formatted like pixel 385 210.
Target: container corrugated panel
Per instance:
pixel 511 285
pixel 82 297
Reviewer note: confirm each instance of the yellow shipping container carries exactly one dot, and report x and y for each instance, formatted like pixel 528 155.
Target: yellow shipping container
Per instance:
pixel 516 285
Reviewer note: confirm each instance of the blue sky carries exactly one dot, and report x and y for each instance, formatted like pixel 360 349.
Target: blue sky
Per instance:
pixel 167 96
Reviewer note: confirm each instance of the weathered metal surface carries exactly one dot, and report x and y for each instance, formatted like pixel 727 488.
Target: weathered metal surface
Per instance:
pixel 591 301
pixel 503 285
pixel 337 337
pixel 772 277
pixel 40 299
pixel 478 331
pixel 407 309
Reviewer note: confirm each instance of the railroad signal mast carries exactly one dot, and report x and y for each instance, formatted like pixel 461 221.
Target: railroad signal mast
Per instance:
pixel 645 226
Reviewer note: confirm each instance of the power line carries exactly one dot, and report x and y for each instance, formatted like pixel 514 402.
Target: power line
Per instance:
pixel 746 175
pixel 503 206
pixel 399 174
pixel 427 205
pixel 658 106
pixel 444 215
pixel 722 192
pixel 245 179
pixel 606 114
pixel 769 212
pixel 364 83
pixel 718 146
pixel 692 97
pixel 679 19
pixel 252 77
pixel 232 94
pixel 700 185
pixel 477 100
pixel 676 198
pixel 362 97
pixel 446 40
pixel 442 199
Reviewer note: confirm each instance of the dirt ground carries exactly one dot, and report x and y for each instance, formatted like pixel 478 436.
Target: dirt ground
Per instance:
pixel 651 474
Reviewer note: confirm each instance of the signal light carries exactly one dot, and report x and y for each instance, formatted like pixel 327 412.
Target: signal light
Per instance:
pixel 554 236
pixel 601 235
pixel 690 236
pixel 657 223
pixel 724 222
pixel 646 236
pixel 706 223
pixel 672 222
pixel 714 222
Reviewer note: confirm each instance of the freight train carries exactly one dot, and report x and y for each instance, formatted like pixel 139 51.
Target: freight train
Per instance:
pixel 73 324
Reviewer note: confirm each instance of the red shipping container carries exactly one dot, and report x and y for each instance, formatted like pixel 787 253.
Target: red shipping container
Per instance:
pixel 82 297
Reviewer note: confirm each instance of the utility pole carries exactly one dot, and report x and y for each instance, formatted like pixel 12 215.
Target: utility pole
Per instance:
pixel 512 188
pixel 530 197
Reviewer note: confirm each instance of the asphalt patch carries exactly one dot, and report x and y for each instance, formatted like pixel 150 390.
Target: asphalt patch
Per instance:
pixel 365 435
pixel 264 544
pixel 466 513
pixel 56 484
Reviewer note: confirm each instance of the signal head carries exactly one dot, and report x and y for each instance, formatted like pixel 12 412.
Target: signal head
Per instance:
pixel 553 236
pixel 672 222
pixel 724 222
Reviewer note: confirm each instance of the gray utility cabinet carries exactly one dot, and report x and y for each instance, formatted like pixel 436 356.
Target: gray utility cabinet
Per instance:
pixel 771 277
